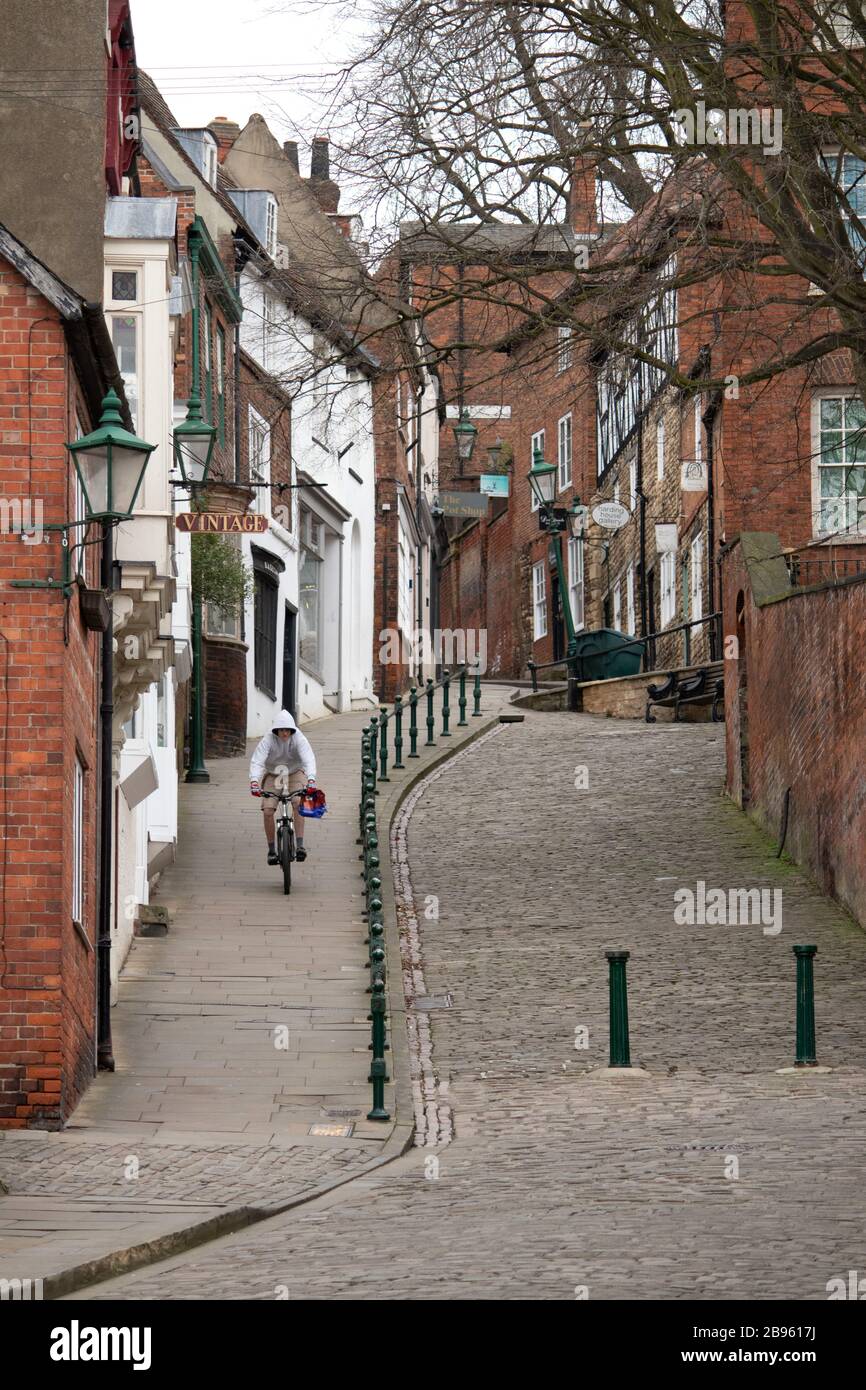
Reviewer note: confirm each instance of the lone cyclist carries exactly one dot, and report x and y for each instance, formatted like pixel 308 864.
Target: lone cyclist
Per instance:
pixel 286 751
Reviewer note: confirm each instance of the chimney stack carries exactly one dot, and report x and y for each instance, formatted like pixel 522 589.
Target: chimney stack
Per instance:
pixel 582 210
pixel 320 159
pixel 290 150
pixel 326 192
pixel 225 132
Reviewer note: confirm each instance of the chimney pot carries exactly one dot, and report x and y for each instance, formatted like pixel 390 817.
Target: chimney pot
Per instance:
pixel 320 162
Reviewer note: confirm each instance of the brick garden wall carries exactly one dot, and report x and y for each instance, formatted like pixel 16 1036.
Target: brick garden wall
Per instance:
pixel 795 701
pixel 47 967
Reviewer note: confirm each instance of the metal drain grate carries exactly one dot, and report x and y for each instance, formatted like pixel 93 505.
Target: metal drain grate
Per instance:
pixel 332 1131
pixel 425 1002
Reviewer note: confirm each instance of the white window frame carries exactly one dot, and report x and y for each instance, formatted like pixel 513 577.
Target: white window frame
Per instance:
pixel 696 580
pixel 564 348
pixel 564 436
pixel 259 432
pixel 699 439
pixel 842 535
pixel 271 228
pixel 617 607
pixel 616 490
pixel 630 625
pixel 539 601
pixel 632 483
pixel 78 842
pixel 534 503
pixel 575 581
pixel 660 448
pixel 406 565
pixel 135 398
pixel 210 161
pixel 667 587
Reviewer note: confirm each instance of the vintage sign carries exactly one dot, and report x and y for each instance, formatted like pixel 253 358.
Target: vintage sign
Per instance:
pixel 494 484
pixel 610 515
pixel 469 504
pixel 693 476
pixel 666 537
pixel 241 523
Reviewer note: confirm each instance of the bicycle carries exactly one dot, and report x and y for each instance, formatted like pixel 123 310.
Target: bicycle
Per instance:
pixel 285 838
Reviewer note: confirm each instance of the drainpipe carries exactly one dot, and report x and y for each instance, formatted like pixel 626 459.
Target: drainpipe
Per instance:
pixel 197 772
pixel 710 426
pixel 104 1053
pixel 340 631
pixel 237 382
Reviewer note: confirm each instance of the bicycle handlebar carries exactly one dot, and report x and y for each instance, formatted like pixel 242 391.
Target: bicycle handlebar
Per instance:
pixel 285 796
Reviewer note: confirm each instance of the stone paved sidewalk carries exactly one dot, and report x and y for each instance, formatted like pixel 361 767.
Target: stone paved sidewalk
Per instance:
pixel 205 1116
pixel 713 1172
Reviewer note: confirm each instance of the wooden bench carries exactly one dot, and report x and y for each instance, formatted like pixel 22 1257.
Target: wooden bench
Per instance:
pixel 705 686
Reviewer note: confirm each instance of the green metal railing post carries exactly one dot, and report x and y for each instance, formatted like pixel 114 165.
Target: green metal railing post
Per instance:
pixel 446 708
pixel 619 1049
pixel 461 702
pixel 413 723
pixel 378 1068
pixel 398 733
pixel 805 1006
pixel 476 694
pixel 374 744
pixel 383 747
pixel 431 742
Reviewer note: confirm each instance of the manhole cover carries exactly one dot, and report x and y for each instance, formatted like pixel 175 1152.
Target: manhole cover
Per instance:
pixel 342 1114
pixel 332 1131
pixel 425 1002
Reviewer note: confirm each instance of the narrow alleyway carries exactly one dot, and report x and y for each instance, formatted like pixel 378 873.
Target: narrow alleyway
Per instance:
pixel 705 1172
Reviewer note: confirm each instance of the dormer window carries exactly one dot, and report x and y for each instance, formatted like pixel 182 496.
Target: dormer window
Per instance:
pixel 210 164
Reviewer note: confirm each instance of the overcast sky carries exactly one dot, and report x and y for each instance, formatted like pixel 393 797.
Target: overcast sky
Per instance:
pixel 233 57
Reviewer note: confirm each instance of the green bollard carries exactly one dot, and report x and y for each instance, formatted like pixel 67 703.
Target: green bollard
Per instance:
pixel 619 1050
pixel 805 1006
pixel 398 733
pixel 374 744
pixel 378 1067
pixel 431 742
pixel 446 708
pixel 383 747
pixel 413 723
pixel 461 703
pixel 476 694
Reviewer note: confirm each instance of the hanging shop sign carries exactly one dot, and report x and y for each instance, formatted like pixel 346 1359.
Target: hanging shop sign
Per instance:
pixel 666 537
pixel 243 523
pixel 610 515
pixel 472 504
pixel 693 476
pixel 494 484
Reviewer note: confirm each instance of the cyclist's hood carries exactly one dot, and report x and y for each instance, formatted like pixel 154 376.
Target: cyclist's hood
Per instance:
pixel 283 721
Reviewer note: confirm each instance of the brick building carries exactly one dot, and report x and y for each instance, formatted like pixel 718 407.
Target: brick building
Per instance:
pixel 56 363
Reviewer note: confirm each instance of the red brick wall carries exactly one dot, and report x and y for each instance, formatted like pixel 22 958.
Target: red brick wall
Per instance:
pixel 49 665
pixel 795 704
pixel 225 698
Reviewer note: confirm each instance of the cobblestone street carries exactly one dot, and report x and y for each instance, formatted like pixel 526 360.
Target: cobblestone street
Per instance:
pixel 708 1171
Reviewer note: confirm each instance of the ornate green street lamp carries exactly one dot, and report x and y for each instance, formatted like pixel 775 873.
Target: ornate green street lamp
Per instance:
pixel 110 464
pixel 465 434
pixel 193 445
pixel 542 478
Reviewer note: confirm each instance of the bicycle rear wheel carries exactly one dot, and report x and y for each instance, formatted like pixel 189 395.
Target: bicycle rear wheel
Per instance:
pixel 286 857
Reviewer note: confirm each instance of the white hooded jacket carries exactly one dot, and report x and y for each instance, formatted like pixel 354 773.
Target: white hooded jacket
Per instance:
pixel 274 754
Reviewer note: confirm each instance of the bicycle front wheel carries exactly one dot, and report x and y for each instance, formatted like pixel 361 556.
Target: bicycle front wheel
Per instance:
pixel 286 858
